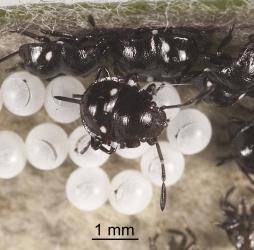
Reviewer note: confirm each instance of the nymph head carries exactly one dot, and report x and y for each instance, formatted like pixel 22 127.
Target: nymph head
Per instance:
pixel 42 59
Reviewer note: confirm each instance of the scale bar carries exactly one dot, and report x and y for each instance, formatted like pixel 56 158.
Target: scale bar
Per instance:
pixel 115 238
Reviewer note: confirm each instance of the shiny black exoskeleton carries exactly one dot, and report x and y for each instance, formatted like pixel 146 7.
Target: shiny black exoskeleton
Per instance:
pixel 117 112
pixel 160 52
pixel 242 145
pixel 65 55
pixel 177 241
pixel 233 81
pixel 238 222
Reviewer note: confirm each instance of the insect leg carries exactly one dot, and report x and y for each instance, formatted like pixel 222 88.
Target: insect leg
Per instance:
pixel 207 91
pixel 43 39
pixel 67 99
pixel 218 60
pixel 110 151
pixel 85 148
pixel 102 72
pixel 245 108
pixel 77 96
pixel 242 207
pixel 190 75
pixel 223 160
pixel 225 205
pixel 60 34
pixel 9 56
pixel 193 237
pixel 96 144
pixel 163 177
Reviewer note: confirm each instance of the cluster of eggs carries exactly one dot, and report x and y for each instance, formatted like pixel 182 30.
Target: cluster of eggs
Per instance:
pixel 88 187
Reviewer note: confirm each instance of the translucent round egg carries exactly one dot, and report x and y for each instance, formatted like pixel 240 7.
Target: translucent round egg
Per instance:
pixel 190 132
pixel 173 161
pixel 12 154
pixel 61 111
pixel 47 146
pixel 132 153
pixel 88 188
pixel 166 95
pixel 23 93
pixel 79 141
pixel 131 192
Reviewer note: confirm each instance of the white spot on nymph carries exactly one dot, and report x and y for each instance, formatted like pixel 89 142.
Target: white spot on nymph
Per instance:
pixel 35 53
pixel 131 83
pixel 246 151
pixel 60 42
pixel 165 47
pixel 146 118
pixel 251 66
pixel 125 120
pixel 164 50
pixel 154 32
pixel 241 96
pixel 103 129
pixel 153 48
pixel 209 84
pixel 92 110
pixel 113 91
pixel 108 107
pixel 48 56
pixel 129 52
pixel 82 54
pixel 182 55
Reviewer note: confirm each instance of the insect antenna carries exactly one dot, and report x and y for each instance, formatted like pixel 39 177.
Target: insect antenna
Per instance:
pixel 9 56
pixel 68 99
pixel 163 177
pixel 77 96
pixel 195 99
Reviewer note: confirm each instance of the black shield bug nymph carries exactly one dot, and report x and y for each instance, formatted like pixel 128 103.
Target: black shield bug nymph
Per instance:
pixel 238 222
pixel 160 52
pixel 231 81
pixel 242 146
pixel 117 112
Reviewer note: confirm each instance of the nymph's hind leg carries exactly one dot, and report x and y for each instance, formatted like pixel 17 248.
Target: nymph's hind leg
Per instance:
pixel 193 239
pixel 32 35
pixel 226 205
pixel 59 34
pixel 207 91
